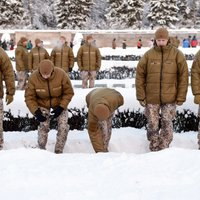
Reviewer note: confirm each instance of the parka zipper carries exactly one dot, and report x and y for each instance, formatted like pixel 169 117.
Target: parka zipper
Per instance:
pixel 49 91
pixel 61 56
pixel 39 54
pixel 89 57
pixel 161 73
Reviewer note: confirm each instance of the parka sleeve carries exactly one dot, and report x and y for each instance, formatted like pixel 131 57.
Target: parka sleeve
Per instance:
pixel 19 59
pixel 8 73
pixel 31 97
pixel 98 60
pixel 30 61
pixel 71 58
pixel 52 57
pixel 182 78
pixel 79 58
pixel 68 91
pixel 140 80
pixel 195 74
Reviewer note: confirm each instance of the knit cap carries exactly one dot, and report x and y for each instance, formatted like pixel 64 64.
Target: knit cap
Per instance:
pixel 37 41
pixel 162 33
pixel 89 37
pixel 101 111
pixel 46 67
pixel 23 39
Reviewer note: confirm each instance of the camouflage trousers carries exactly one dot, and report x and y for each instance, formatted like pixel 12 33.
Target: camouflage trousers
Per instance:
pixel 106 130
pixel 101 134
pixel 88 75
pixel 160 135
pixel 44 128
pixel 1 124
pixel 22 78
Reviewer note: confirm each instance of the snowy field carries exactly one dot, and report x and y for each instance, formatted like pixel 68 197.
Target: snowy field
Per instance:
pixel 128 172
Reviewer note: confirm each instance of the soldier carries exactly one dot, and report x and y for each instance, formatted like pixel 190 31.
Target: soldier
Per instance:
pixel 161 84
pixel 6 74
pixel 49 88
pixel 21 56
pixel 195 82
pixel 36 55
pixel 62 55
pixel 102 103
pixel 89 62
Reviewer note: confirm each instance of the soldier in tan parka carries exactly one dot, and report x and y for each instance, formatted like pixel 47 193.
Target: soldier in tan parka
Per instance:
pixel 36 55
pixel 62 55
pixel 161 84
pixel 195 83
pixel 89 62
pixel 21 56
pixel 49 88
pixel 102 103
pixel 7 75
pixel 174 41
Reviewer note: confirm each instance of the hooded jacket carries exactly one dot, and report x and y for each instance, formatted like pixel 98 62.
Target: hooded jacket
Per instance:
pixel 162 76
pixel 48 93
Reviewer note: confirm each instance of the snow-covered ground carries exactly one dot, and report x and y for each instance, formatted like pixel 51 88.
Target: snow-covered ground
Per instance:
pixel 129 171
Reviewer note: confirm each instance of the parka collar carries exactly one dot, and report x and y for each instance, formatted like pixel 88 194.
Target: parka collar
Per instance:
pixel 164 48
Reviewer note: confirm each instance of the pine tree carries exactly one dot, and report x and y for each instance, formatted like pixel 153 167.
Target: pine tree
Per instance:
pixel 12 14
pixel 163 12
pixel 98 18
pixel 127 13
pixel 197 24
pixel 113 16
pixel 41 16
pixel 193 12
pixel 72 14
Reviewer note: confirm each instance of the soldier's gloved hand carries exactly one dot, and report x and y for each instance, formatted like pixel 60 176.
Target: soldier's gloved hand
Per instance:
pixel 56 112
pixel 197 99
pixel 9 99
pixel 179 103
pixel 69 69
pixel 143 103
pixel 39 116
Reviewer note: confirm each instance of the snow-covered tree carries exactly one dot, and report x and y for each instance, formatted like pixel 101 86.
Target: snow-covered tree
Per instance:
pixel 72 14
pixel 98 18
pixel 12 14
pixel 124 13
pixel 187 13
pixel 40 13
pixel 163 12
pixel 197 24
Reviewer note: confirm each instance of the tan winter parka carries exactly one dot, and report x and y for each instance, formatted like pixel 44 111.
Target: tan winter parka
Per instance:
pixel 162 76
pixel 6 74
pixel 195 75
pixel 89 58
pixel 21 56
pixel 63 57
pixel 36 55
pixel 48 93
pixel 111 98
